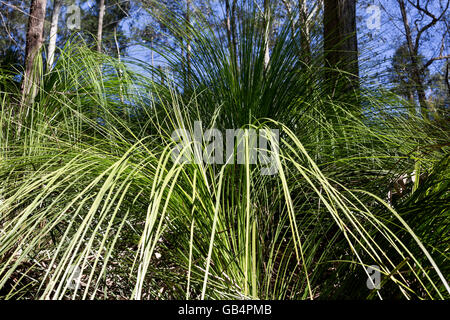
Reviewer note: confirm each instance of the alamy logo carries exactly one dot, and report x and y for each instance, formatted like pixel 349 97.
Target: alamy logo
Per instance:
pixel 73 17
pixel 241 146
pixel 374 280
pixel 374 21
pixel 75 277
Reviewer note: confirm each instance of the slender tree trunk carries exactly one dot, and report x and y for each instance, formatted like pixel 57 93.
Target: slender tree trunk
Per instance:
pixel 152 57
pixel 183 59
pixel 287 6
pixel 53 33
pixel 447 83
pixel 230 12
pixel 119 71
pixel 266 33
pixel 34 41
pixel 292 24
pixel 415 70
pixel 228 26
pixel 161 71
pixel 188 41
pixel 101 14
pixel 233 29
pixel 340 43
pixel 304 27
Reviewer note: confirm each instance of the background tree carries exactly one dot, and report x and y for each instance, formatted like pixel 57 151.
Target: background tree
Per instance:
pixel 401 74
pixel 101 15
pixel 34 41
pixel 439 99
pixel 230 25
pixel 115 12
pixel 267 32
pixel 53 33
pixel 13 22
pixel 340 42
pixel 424 21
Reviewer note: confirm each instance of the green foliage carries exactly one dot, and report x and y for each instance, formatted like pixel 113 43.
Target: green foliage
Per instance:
pixel 87 183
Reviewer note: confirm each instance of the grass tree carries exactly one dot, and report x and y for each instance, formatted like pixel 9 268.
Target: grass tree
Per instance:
pixel 95 205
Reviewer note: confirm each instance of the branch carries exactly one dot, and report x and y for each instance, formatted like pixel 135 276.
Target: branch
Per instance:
pixel 440 57
pixel 429 25
pixel 426 11
pixel 429 62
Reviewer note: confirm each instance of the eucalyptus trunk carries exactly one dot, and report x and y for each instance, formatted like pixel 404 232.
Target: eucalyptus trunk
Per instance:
pixel 266 33
pixel 34 41
pixel 101 15
pixel 304 30
pixel 340 44
pixel 188 41
pixel 53 33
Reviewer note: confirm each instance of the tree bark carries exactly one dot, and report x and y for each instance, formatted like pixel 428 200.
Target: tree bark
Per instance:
pixel 447 83
pixel 188 48
pixel 266 33
pixel 340 43
pixel 53 33
pixel 233 29
pixel 101 14
pixel 304 28
pixel 34 41
pixel 152 57
pixel 119 71
pixel 228 27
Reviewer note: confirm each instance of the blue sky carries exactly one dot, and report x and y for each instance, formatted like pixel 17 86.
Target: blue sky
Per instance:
pixel 377 45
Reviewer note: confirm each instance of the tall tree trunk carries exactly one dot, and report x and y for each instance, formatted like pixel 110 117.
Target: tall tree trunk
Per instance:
pixel 228 27
pixel 119 71
pixel 292 24
pixel 304 28
pixel 266 33
pixel 340 43
pixel 152 56
pixel 230 12
pixel 447 83
pixel 53 33
pixel 287 6
pixel 161 71
pixel 188 41
pixel 34 41
pixel 415 69
pixel 101 15
pixel 233 29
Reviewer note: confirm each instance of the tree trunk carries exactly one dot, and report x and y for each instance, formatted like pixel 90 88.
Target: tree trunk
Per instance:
pixel 340 43
pixel 53 33
pixel 292 24
pixel 161 71
pixel 415 70
pixel 304 27
pixel 287 6
pixel 101 14
pixel 266 33
pixel 447 83
pixel 34 41
pixel 228 26
pixel 188 41
pixel 119 71
pixel 234 30
pixel 152 57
